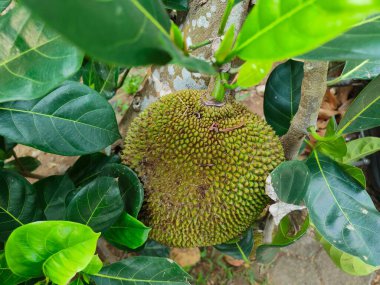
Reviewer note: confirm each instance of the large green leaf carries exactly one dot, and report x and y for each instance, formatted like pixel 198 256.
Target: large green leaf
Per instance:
pixel 89 166
pixel 180 5
pixel 359 43
pixel 285 236
pixel 127 232
pixel 7 277
pixel 282 95
pixel 57 249
pixel 290 181
pixel 18 202
pixel 348 263
pixel 52 192
pixel 275 29
pixel 98 204
pixel 4 4
pixel 364 112
pixel 153 248
pixel 33 59
pixel 360 148
pixel 71 120
pixel 22 164
pixel 130 186
pixel 241 249
pixel 342 210
pixel 360 69
pixel 142 270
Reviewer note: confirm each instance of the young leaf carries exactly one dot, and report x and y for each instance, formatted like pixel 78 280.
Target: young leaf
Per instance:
pixel 290 181
pixel 226 45
pixel 363 113
pixel 57 249
pixel 7 277
pixel 279 34
pixel 346 262
pixel 33 59
pixel 252 72
pixel 18 202
pixel 94 266
pixel 98 204
pixel 360 43
pixel 142 270
pixel 240 249
pixel 282 95
pixel 26 163
pixel 360 148
pixel 71 120
pixel 52 192
pixel 265 253
pixel 127 232
pixel 131 189
pixel 89 166
pixel 342 210
pixel 176 36
pixel 335 148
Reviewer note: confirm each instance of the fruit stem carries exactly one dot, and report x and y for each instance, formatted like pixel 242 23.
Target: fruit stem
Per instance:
pixel 219 90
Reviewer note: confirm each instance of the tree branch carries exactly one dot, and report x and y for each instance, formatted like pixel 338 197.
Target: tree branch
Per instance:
pixel 313 91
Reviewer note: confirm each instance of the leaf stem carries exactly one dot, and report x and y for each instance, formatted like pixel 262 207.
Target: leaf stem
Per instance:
pixel 201 44
pixel 226 14
pixel 315 135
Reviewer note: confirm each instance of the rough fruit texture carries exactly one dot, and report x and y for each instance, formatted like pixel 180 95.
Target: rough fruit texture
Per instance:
pixel 203 168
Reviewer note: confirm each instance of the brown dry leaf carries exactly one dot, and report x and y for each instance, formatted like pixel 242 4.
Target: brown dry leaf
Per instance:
pixel 185 256
pixel 234 262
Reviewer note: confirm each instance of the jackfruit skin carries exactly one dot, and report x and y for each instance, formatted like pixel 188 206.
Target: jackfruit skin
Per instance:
pixel 203 168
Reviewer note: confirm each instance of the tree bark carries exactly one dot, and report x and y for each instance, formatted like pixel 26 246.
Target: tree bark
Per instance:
pixel 313 90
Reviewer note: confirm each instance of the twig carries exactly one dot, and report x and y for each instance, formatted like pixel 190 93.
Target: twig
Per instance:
pixel 313 91
pixel 122 79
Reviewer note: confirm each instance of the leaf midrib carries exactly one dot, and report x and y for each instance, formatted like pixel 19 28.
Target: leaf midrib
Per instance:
pixel 55 117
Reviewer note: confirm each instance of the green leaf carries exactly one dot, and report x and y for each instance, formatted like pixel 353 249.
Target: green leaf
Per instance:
pixel 253 72
pixel 282 95
pixel 176 36
pixel 142 270
pixel 77 281
pixel 71 120
pixel 290 181
pixel 360 148
pixel 4 4
pixel 26 163
pixel 285 236
pixel 52 192
pixel 363 113
pixel 360 43
pixel 180 5
pixel 130 186
pixel 97 204
pixel 94 266
pixel 18 202
pixel 226 45
pixel 275 30
pixel 346 262
pixel 153 248
pixel 342 210
pixel 57 249
pixel 7 277
pixel 89 166
pixel 240 249
pixel 355 173
pixel 334 148
pixel 33 59
pixel 101 77
pixel 129 33
pixel 7 147
pixel 127 232
pixel 358 69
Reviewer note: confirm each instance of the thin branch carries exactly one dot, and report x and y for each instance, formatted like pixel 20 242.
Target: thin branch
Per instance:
pixel 313 91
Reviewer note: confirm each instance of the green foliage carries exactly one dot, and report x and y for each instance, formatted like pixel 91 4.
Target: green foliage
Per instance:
pixel 282 95
pixel 94 266
pixel 226 45
pixel 342 210
pixel 180 5
pixel 240 249
pixel 285 236
pixel 127 232
pixel 6 275
pixel 360 148
pixel 71 120
pixel 22 164
pixel 55 249
pixel 97 204
pixel 4 4
pixel 142 270
pixel 28 49
pixel 358 69
pixel 275 30
pixel 132 84
pixel 252 72
pixel 153 248
pixel 290 181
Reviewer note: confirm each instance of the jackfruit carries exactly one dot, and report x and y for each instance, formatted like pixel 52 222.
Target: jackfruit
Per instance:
pixel 203 167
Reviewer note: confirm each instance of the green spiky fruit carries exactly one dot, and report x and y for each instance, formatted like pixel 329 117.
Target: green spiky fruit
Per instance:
pixel 203 168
